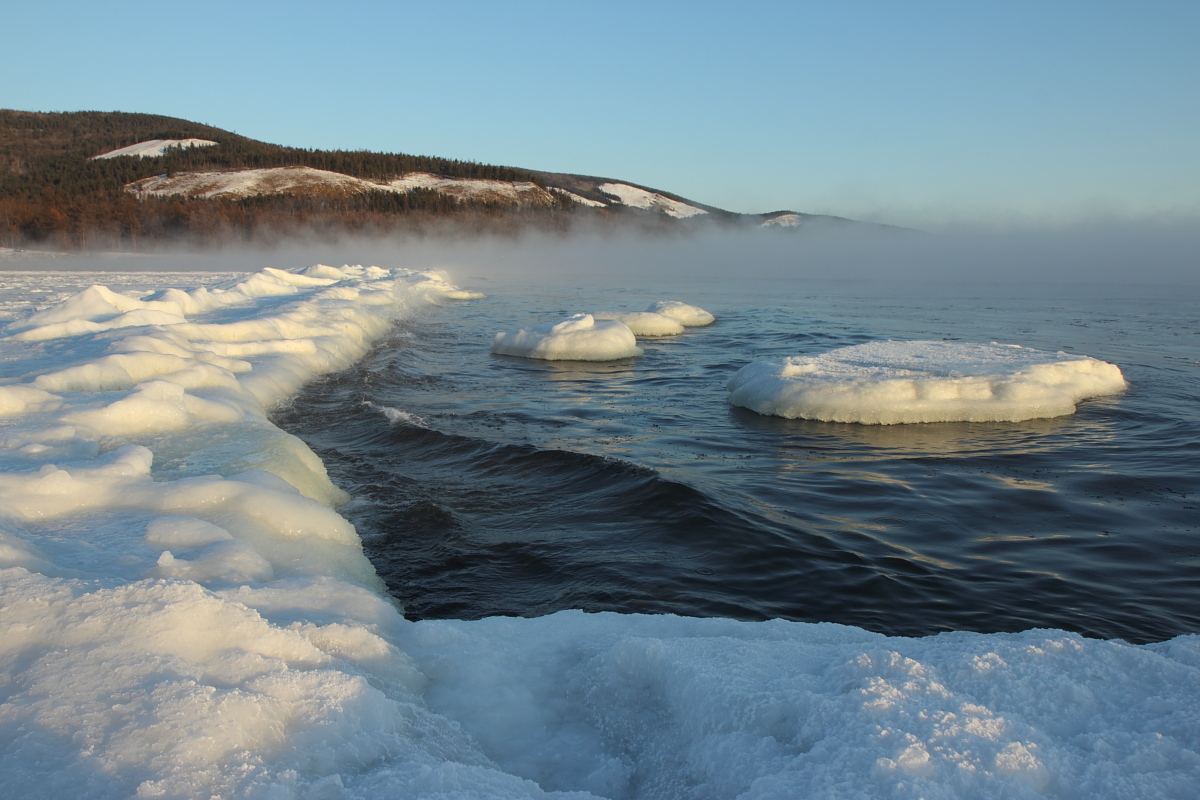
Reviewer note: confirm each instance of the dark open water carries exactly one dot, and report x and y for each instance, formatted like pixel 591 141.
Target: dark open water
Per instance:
pixel 524 487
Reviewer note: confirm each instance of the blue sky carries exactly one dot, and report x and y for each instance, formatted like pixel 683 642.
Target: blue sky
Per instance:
pixel 920 113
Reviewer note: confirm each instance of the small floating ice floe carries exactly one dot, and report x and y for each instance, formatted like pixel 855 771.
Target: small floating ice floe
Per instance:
pixel 644 323
pixel 577 338
pixel 886 383
pixel 688 316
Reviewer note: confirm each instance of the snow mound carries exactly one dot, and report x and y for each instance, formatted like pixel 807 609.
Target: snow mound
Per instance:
pixel 577 338
pixel 887 383
pixel 650 201
pixel 155 147
pixel 688 316
pixel 644 323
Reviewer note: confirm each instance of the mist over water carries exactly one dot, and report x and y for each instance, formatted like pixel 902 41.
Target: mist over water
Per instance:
pixel 1098 251
pixel 507 486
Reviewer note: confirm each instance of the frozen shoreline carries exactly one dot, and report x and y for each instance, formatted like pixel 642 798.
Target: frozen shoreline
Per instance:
pixel 260 658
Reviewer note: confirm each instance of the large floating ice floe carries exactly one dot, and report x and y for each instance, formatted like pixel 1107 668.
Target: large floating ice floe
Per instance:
pixel 684 314
pixel 644 323
pixel 577 338
pixel 184 615
pixel 890 382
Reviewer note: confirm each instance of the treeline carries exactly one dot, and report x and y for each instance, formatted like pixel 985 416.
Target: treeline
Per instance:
pixel 53 194
pixel 75 223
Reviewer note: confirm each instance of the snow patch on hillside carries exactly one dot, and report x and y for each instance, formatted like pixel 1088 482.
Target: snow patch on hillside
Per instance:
pixel 308 180
pixel 578 198
pixel 518 192
pixel 650 201
pixel 252 182
pixel 783 221
pixel 155 147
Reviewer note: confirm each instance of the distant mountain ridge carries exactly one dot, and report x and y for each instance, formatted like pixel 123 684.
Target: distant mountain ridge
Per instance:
pixel 83 179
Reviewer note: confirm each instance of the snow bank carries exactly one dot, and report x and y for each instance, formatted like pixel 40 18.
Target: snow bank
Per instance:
pixel 688 316
pixel 577 338
pixel 889 382
pixel 155 147
pixel 183 615
pixel 644 323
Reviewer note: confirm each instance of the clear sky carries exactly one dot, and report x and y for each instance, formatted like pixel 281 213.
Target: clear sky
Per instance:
pixel 917 113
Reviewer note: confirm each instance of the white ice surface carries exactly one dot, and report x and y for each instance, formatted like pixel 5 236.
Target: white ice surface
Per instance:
pixel 155 147
pixel 890 382
pixel 183 615
pixel 577 338
pixel 684 314
pixel 644 323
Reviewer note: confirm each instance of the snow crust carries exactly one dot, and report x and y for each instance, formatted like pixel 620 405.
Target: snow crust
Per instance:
pixel 887 383
pixel 183 614
pixel 576 338
pixel 155 147
pixel 684 314
pixel 644 323
pixel 651 201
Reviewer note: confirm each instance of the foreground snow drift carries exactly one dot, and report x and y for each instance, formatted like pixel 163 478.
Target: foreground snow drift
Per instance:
pixel 897 382
pixel 577 338
pixel 182 614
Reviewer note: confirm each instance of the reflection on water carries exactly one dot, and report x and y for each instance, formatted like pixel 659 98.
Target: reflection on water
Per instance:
pixel 634 486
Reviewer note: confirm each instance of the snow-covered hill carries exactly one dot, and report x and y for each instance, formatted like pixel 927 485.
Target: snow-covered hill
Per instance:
pixel 309 181
pixel 301 180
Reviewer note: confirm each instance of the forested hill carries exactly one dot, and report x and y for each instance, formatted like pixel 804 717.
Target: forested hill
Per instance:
pixel 55 192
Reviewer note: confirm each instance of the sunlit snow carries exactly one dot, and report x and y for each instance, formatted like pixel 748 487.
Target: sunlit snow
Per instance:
pixel 290 180
pixel 651 201
pixel 931 381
